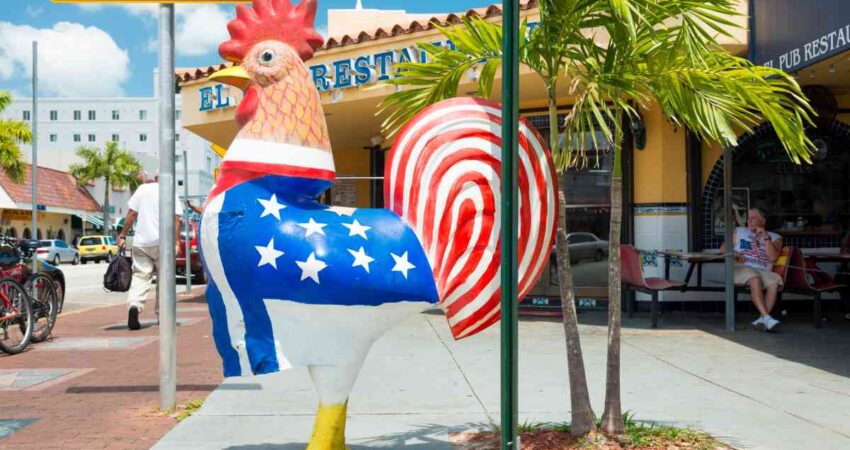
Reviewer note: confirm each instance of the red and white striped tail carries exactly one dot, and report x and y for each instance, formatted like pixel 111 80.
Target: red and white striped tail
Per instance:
pixel 443 176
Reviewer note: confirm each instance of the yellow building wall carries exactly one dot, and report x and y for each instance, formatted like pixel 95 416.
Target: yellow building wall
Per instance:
pixel 660 169
pixel 49 223
pixel 353 163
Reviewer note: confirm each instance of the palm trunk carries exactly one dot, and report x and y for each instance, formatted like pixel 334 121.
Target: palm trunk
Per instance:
pixel 582 420
pixel 106 207
pixel 612 417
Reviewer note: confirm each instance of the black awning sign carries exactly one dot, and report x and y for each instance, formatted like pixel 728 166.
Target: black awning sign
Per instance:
pixel 791 35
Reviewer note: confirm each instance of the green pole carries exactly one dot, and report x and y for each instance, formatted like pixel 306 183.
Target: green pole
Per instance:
pixel 510 127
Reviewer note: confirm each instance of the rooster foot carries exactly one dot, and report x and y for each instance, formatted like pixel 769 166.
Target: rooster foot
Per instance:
pixel 329 429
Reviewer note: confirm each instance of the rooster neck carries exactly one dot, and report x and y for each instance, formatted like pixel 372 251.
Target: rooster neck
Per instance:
pixel 289 111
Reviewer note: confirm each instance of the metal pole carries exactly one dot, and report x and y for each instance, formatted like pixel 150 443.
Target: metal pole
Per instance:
pixel 510 127
pixel 34 167
pixel 166 288
pixel 730 223
pixel 188 271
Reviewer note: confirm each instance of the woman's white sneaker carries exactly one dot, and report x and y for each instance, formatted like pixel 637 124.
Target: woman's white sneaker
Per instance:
pixel 770 323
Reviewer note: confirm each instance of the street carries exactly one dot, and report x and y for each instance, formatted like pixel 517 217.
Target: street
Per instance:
pixel 84 286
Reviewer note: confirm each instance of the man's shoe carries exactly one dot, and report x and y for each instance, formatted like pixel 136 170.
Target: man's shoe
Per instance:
pixel 133 319
pixel 759 324
pixel 771 324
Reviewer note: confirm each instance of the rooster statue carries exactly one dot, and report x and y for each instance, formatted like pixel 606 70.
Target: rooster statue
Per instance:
pixel 295 283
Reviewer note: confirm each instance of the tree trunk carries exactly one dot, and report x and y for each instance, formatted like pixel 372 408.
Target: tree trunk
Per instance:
pixel 106 207
pixel 582 419
pixel 612 417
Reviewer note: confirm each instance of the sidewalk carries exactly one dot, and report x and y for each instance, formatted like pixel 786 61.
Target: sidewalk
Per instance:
pixel 753 390
pixel 95 385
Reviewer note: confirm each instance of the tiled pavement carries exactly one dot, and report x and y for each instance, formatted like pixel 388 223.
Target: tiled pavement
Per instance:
pixel 95 385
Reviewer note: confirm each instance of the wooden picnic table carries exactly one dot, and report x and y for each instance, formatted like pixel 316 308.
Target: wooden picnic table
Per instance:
pixel 695 262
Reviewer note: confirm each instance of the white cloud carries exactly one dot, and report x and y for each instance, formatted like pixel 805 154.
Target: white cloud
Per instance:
pixel 73 60
pixel 199 28
pixel 34 11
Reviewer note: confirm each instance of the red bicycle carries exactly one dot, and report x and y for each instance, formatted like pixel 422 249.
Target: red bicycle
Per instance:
pixel 16 317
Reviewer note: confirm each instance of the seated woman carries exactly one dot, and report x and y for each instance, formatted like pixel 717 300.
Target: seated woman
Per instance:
pixel 756 250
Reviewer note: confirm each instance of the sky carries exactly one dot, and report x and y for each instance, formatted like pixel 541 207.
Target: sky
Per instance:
pixel 95 50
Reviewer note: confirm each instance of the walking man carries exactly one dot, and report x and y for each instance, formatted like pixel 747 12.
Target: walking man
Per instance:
pixel 144 214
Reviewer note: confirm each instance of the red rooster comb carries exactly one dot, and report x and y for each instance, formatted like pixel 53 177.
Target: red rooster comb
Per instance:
pixel 275 20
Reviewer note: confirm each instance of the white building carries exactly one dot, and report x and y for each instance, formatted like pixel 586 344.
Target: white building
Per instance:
pixel 65 123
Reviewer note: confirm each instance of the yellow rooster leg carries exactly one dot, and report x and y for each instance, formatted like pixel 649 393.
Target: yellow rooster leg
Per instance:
pixel 329 430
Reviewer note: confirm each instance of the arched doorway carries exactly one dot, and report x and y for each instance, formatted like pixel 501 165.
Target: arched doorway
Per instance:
pixel 12 232
pixel 38 234
pixel 27 233
pixel 61 234
pixel 809 205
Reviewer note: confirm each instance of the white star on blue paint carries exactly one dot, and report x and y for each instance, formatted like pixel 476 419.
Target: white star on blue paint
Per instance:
pixel 357 229
pixel 313 227
pixel 402 264
pixel 268 254
pixel 341 210
pixel 361 259
pixel 271 207
pixel 311 267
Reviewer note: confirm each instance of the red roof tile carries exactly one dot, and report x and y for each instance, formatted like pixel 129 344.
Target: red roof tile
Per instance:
pixel 186 75
pixel 55 188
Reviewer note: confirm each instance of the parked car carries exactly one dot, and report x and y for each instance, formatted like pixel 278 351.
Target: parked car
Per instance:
pixel 585 245
pixel 198 276
pixel 57 251
pixel 97 248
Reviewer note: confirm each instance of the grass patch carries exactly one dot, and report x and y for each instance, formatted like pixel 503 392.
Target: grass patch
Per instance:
pixel 639 435
pixel 182 412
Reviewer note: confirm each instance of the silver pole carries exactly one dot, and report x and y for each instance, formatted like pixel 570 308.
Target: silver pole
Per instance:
pixel 166 288
pixel 34 167
pixel 188 271
pixel 730 223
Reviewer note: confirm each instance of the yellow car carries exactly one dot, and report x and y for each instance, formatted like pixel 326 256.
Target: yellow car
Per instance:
pixel 97 248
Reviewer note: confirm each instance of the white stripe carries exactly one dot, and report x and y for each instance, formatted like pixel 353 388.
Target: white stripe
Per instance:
pixel 233 312
pixel 268 152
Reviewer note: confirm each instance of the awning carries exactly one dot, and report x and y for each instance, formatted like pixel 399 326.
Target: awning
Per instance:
pixel 94 220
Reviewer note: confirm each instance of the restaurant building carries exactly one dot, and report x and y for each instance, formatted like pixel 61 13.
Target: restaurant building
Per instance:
pixel 672 181
pixel 61 206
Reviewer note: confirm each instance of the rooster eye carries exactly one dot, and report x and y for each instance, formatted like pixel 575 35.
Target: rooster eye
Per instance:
pixel 266 57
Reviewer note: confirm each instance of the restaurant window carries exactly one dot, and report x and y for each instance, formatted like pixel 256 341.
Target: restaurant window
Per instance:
pixel 26 115
pixel 807 204
pixel 588 201
pixel 78 115
pixel 92 115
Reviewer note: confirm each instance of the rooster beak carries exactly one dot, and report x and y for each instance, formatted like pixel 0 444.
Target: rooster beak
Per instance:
pixel 233 75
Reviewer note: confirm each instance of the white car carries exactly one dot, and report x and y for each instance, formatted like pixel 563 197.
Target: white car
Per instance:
pixel 56 251
pixel 585 245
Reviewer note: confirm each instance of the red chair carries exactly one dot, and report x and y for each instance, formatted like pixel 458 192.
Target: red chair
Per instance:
pixel 806 278
pixel 632 278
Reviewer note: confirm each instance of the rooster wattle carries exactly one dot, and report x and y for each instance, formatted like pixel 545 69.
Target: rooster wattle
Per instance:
pixel 296 283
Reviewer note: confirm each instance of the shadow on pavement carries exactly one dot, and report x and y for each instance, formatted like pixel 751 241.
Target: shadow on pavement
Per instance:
pixel 155 388
pixel 425 437
pixel 797 340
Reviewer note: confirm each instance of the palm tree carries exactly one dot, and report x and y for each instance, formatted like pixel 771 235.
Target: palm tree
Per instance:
pixel 660 51
pixel 12 133
pixel 118 168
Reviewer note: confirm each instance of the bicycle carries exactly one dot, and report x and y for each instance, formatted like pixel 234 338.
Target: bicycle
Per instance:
pixel 16 319
pixel 45 305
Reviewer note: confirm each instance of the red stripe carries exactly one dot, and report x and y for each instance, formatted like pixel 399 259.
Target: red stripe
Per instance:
pixel 280 169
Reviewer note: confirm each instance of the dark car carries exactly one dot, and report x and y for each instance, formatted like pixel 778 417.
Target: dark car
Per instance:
pixel 198 276
pixel 585 245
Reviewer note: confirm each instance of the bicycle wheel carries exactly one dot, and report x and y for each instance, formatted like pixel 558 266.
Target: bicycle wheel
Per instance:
pixel 15 317
pixel 45 305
